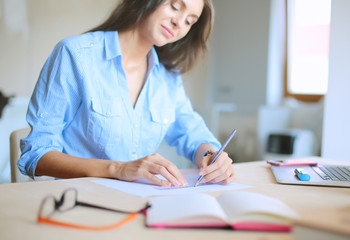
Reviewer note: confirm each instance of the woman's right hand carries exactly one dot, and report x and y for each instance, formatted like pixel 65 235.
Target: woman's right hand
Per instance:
pixel 147 168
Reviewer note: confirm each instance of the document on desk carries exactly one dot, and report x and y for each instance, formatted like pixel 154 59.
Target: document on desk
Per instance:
pixel 144 188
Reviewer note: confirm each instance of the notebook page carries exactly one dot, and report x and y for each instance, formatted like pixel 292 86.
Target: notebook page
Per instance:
pixel 239 203
pixel 144 188
pixel 191 208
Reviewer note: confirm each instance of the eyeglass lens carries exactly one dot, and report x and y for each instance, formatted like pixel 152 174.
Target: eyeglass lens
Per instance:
pixel 66 202
pixel 47 206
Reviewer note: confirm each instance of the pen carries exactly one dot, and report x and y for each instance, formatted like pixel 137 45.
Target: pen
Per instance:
pixel 217 154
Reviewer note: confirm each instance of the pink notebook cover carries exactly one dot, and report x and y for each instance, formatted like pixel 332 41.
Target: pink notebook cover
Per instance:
pixel 243 226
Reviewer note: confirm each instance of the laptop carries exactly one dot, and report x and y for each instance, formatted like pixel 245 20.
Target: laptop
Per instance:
pixel 320 175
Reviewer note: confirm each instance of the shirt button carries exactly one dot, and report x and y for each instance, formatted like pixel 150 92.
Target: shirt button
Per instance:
pixel 108 113
pixel 165 120
pixel 92 44
pixel 136 125
pixel 41 115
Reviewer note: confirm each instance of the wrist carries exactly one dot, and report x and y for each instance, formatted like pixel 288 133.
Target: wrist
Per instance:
pixel 209 153
pixel 103 168
pixel 201 151
pixel 114 169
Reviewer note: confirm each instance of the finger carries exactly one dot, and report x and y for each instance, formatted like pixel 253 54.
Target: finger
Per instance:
pixel 228 180
pixel 222 159
pixel 218 175
pixel 224 177
pixel 149 176
pixel 168 170
pixel 222 169
pixel 158 169
pixel 205 161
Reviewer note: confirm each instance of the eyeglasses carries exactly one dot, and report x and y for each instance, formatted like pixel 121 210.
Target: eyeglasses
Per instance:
pixel 68 201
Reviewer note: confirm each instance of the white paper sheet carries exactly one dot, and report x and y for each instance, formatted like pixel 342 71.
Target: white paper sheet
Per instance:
pixel 144 188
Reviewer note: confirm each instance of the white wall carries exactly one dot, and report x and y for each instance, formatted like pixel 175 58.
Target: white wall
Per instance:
pixel 238 70
pixel 240 53
pixel 31 28
pixel 336 130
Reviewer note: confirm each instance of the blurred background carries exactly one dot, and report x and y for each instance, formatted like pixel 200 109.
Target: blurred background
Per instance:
pixel 275 72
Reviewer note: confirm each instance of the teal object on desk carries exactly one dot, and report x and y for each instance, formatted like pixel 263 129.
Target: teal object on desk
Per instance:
pixel 302 174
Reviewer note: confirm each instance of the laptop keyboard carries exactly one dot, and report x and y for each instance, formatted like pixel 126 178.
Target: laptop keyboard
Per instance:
pixel 335 173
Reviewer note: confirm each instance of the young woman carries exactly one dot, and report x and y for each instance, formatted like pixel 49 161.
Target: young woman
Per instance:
pixel 116 92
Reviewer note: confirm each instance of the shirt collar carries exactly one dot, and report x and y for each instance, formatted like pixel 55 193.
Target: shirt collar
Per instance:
pixel 153 60
pixel 113 49
pixel 112 45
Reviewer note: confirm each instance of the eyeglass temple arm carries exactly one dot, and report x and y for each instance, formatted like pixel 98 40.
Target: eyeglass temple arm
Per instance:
pixel 110 209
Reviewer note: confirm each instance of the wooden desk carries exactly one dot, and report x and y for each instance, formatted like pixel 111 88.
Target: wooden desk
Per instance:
pixel 20 202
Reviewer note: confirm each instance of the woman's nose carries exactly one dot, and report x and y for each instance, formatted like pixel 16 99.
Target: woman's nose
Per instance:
pixel 177 21
pixel 174 22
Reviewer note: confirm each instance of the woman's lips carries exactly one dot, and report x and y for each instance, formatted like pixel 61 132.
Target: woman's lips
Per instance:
pixel 167 32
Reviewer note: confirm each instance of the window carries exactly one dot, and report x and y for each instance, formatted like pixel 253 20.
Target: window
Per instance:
pixel 308 35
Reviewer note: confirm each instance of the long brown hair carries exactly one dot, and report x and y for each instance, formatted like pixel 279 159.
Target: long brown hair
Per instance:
pixel 180 55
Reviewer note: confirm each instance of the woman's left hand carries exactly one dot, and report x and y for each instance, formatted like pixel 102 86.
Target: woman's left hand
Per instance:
pixel 221 171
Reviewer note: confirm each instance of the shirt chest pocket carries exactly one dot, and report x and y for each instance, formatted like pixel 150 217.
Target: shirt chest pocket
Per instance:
pixel 105 120
pixel 163 116
pixel 156 129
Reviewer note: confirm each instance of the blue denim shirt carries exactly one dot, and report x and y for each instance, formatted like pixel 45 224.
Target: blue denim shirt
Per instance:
pixel 81 106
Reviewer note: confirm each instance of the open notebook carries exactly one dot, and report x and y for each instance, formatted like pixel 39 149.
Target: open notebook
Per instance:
pixel 238 210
